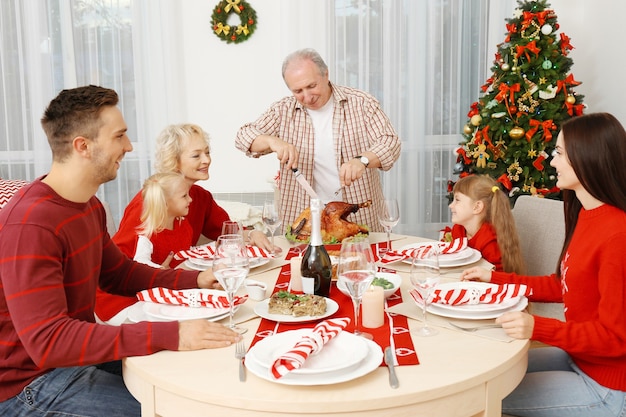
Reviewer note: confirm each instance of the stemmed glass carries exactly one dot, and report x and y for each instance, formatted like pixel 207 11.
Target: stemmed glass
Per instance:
pixel 231 227
pixel 389 217
pixel 356 270
pixel 230 267
pixel 425 277
pixel 271 218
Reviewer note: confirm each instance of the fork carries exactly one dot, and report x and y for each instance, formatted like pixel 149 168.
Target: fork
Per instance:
pixel 240 354
pixel 475 328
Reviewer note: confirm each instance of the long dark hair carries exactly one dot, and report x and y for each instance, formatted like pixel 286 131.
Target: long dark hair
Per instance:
pixel 595 144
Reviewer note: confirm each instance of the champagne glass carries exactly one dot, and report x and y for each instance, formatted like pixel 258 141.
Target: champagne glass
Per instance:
pixel 356 270
pixel 231 227
pixel 425 277
pixel 271 218
pixel 389 217
pixel 230 267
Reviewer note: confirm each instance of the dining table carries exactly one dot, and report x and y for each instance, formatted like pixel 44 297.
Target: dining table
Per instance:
pixel 459 373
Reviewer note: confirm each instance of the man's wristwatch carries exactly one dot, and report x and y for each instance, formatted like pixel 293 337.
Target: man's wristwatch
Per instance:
pixel 363 160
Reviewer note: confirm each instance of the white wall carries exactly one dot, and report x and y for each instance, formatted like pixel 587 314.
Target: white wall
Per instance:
pixel 229 84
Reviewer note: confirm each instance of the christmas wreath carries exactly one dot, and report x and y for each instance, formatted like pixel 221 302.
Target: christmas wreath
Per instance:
pixel 246 26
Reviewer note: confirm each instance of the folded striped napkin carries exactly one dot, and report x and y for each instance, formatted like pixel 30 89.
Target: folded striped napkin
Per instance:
pixel 310 344
pixel 208 252
pixel 456 245
pixel 196 297
pixel 474 295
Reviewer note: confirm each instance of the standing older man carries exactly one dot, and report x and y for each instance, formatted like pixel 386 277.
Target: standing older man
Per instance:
pixel 338 137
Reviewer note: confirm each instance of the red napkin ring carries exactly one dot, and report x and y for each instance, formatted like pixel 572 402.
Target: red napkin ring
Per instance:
pixel 321 334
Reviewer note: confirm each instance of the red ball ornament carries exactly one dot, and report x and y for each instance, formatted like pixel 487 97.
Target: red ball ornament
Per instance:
pixel 218 11
pixel 513 109
pixel 233 38
pixel 250 22
pixel 241 8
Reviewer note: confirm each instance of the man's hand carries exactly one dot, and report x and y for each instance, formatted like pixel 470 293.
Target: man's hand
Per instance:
pixel 351 171
pixel 285 152
pixel 206 279
pixel 203 334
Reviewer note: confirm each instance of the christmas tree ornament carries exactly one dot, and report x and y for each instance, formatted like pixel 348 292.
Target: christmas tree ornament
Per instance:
pixel 458 168
pixel 476 119
pixel 570 99
pixel 548 93
pixel 546 29
pixel 517 132
pixel 547 64
pixel 505 67
pixel 467 129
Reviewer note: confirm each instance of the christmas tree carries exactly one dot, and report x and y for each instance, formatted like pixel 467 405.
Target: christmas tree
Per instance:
pixel 512 128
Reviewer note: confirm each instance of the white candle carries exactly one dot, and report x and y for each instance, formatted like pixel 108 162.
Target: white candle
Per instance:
pixel 373 304
pixel 295 283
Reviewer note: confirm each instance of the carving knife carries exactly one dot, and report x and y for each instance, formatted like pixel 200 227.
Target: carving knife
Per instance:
pixel 304 183
pixel 389 361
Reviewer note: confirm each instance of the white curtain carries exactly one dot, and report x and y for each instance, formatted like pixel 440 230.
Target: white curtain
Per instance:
pixel 50 45
pixel 425 61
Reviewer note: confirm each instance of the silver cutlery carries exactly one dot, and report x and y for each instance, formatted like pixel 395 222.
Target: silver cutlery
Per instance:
pixel 474 328
pixel 389 361
pixel 240 354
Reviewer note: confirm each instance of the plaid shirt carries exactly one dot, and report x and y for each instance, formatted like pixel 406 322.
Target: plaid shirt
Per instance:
pixel 359 125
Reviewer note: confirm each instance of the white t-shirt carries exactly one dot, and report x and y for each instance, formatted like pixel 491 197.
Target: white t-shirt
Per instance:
pixel 325 172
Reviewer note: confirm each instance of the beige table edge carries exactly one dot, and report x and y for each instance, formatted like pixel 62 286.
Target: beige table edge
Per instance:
pixel 459 375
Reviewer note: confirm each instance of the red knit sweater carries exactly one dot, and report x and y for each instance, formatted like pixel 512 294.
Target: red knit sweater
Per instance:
pixel 593 290
pixel 164 242
pixel 53 255
pixel 484 241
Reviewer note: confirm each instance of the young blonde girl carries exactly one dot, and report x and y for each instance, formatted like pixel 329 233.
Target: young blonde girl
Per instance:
pixel 164 229
pixel 482 213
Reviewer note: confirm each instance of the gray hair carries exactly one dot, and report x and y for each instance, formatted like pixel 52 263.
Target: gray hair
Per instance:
pixel 304 54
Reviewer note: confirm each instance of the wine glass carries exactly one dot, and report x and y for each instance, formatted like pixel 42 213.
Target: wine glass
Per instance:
pixel 356 270
pixel 230 267
pixel 231 227
pixel 425 277
pixel 271 218
pixel 389 217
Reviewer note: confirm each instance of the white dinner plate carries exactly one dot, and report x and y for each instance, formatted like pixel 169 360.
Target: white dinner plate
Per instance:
pixel 262 309
pixel 344 352
pixel 475 315
pixel 201 264
pixel 371 362
pixel 465 285
pixel 136 313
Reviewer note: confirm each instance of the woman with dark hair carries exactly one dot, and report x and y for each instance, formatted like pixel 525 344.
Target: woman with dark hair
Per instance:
pixel 583 372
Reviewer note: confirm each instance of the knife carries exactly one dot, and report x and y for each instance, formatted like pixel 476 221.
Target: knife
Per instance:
pixel 389 361
pixel 304 183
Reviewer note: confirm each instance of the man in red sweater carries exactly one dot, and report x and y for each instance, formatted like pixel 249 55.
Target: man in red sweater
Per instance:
pixel 54 252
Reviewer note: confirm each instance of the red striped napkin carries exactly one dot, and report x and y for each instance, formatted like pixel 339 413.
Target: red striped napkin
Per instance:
pixel 456 245
pixel 471 296
pixel 208 252
pixel 309 345
pixel 196 297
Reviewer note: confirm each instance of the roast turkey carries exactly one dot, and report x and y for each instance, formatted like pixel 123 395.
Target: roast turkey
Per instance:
pixel 334 225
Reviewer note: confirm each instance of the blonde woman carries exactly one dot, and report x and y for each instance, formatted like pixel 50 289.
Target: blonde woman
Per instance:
pixel 482 213
pixel 164 229
pixel 183 149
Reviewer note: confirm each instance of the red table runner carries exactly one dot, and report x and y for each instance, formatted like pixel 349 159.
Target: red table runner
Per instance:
pixel 394 332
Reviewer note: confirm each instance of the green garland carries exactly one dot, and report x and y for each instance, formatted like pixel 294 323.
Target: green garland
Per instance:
pixel 233 34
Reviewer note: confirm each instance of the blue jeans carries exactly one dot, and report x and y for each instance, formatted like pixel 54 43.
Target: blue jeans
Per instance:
pixel 554 386
pixel 85 391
